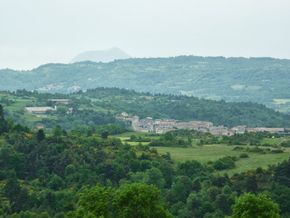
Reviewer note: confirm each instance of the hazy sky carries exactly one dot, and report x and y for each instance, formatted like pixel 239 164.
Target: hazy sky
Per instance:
pixel 34 32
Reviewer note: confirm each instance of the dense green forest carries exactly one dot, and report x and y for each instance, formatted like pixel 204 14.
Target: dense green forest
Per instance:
pixel 100 106
pixel 88 174
pixel 262 80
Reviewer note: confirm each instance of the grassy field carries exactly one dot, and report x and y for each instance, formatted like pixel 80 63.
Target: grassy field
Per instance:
pixel 213 152
pixel 17 106
pixel 208 153
pixel 125 137
pixel 275 141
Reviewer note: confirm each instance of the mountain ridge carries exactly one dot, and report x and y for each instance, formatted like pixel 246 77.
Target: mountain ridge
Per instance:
pixel 261 80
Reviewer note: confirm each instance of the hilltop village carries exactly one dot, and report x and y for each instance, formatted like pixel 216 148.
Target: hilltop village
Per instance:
pixel 160 126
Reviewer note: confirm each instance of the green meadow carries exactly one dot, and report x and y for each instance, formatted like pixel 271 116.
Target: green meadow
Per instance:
pixel 208 153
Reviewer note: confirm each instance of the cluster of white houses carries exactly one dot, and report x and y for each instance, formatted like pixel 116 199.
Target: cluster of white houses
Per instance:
pixel 165 125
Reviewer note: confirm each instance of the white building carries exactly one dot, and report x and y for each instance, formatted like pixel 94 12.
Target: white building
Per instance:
pixel 39 110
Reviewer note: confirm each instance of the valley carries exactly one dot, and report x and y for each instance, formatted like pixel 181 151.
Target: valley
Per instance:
pixel 190 119
pixel 64 147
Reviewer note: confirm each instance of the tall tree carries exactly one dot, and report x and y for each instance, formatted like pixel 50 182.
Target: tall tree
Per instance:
pixel 95 202
pixel 255 206
pixel 139 200
pixel 40 135
pixel 1 112
pixel 3 122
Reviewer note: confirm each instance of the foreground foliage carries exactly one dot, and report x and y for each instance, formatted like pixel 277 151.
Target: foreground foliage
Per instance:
pixel 250 205
pixel 129 201
pixel 75 174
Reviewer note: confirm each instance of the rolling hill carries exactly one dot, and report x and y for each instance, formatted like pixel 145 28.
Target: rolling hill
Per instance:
pixel 261 80
pixel 100 106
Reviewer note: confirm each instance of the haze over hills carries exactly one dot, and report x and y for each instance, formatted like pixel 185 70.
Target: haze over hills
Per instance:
pixel 101 55
pixel 262 80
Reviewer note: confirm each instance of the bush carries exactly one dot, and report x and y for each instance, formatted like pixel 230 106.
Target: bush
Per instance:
pixel 244 155
pixel 250 205
pixel 238 148
pixel 256 149
pixel 285 144
pixel 277 151
pixel 225 163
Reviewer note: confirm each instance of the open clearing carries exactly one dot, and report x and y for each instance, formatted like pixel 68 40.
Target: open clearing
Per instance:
pixel 207 153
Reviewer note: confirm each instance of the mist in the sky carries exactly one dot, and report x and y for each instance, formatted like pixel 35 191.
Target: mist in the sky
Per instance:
pixel 34 32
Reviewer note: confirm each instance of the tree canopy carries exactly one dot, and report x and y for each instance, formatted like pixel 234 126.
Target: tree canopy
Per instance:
pixel 255 206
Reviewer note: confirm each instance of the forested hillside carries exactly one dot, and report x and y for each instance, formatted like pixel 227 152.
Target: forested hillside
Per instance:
pixel 66 174
pixel 100 106
pixel 262 80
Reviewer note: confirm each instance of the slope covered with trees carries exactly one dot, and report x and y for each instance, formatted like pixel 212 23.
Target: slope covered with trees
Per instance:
pixel 100 106
pixel 262 80
pixel 75 174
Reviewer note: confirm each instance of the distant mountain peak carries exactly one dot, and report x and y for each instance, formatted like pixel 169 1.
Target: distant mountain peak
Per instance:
pixel 105 56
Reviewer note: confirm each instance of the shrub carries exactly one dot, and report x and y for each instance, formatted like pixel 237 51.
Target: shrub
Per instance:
pixel 277 151
pixel 250 205
pixel 244 155
pixel 238 148
pixel 285 144
pixel 224 163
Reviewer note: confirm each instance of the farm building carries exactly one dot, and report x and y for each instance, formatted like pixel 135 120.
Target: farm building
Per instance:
pixel 39 110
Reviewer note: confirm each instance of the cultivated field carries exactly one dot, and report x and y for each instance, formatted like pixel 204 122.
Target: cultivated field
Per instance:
pixel 206 153
pixel 213 152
